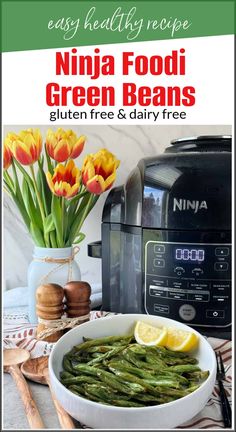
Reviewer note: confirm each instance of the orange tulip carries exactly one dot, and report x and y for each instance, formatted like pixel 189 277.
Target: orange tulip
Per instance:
pixel 62 145
pixel 26 147
pixel 65 180
pixel 99 171
pixel 7 149
pixel 77 145
pixel 10 138
pixel 7 156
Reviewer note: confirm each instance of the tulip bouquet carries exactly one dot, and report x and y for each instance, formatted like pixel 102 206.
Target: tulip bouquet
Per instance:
pixel 54 202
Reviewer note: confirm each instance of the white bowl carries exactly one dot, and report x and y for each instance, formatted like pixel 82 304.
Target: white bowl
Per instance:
pixel 101 416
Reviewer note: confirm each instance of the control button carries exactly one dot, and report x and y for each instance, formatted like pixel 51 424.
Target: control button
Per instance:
pixel 160 282
pixel 211 313
pixel 197 271
pixel 222 251
pixel 187 312
pixel 177 295
pixel 159 249
pixel 221 287
pixel 157 292
pixel 161 308
pixel 177 283
pixel 179 270
pixel 159 263
pixel 199 297
pixel 220 298
pixel 221 266
pixel 199 285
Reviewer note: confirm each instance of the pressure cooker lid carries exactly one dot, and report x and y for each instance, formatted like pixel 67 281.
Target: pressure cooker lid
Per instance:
pixel 203 143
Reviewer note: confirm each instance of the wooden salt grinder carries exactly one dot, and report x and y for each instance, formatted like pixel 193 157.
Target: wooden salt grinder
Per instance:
pixel 49 306
pixel 77 296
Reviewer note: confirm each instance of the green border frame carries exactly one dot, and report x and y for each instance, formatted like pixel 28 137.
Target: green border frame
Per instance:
pixel 16 36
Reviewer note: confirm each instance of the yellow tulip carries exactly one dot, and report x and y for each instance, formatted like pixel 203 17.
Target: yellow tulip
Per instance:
pixel 99 171
pixel 62 145
pixel 7 156
pixel 65 180
pixel 26 146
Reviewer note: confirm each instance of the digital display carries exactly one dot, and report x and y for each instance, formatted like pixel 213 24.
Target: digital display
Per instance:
pixel 192 255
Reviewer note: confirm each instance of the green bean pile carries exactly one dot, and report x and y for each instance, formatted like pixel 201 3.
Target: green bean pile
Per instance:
pixel 115 370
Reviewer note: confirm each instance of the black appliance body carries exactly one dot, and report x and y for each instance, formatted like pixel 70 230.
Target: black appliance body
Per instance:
pixel 166 237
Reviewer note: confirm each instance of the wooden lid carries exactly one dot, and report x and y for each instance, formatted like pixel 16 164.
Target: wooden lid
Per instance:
pixel 49 295
pixel 77 291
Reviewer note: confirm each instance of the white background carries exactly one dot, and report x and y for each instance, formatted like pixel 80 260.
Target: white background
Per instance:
pixel 209 68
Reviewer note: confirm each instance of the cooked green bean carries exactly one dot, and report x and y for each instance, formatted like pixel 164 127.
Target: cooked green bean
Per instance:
pixel 111 380
pixel 168 380
pixel 66 375
pixel 99 349
pixel 79 390
pixel 155 400
pixel 127 367
pixel 105 356
pixel 199 375
pixel 134 379
pixel 89 370
pixel 155 360
pixel 79 379
pixel 115 370
pixel 162 351
pixel 102 341
pixel 126 403
pixel 132 358
pixel 100 391
pixel 67 364
pixel 184 368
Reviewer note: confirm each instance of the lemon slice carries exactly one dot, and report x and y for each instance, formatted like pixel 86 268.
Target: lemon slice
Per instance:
pixel 146 334
pixel 180 340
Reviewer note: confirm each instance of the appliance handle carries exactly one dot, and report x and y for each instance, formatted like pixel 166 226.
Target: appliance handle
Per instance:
pixel 95 249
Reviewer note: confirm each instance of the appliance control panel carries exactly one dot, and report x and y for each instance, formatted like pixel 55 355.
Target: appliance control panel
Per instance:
pixel 188 282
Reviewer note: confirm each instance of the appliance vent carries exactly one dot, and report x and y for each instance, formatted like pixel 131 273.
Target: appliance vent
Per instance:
pixel 206 144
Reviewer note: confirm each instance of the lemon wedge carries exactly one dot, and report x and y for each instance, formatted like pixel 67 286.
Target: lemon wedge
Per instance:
pixel 180 340
pixel 146 334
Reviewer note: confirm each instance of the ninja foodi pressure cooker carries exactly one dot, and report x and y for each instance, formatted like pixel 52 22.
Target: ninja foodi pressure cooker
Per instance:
pixel 166 236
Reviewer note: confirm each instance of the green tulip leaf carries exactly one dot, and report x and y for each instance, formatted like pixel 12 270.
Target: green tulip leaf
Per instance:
pixel 44 189
pixel 49 162
pixel 32 210
pixel 81 236
pixel 20 205
pixel 53 240
pixel 57 219
pixel 8 180
pixel 26 176
pixel 86 205
pixel 48 224
pixel 37 235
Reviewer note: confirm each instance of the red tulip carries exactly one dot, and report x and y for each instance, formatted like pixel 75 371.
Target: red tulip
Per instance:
pixel 7 157
pixel 99 171
pixel 27 146
pixel 62 145
pixel 65 180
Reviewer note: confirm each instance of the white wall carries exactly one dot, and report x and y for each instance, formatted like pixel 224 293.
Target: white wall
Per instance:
pixel 129 143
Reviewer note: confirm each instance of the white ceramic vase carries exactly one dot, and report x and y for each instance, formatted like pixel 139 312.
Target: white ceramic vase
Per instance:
pixel 43 269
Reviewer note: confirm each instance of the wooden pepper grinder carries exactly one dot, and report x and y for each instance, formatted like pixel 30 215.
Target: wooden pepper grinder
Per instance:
pixel 77 296
pixel 49 306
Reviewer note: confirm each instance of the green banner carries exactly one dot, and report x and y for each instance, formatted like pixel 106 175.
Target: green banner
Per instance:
pixel 28 25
